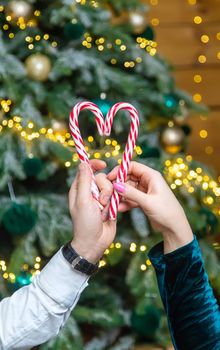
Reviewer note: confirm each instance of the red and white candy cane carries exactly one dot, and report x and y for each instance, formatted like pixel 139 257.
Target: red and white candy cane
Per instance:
pixel 75 132
pixel 126 159
pixel 104 128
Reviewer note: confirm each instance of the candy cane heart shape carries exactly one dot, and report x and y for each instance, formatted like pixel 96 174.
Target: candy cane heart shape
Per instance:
pixel 79 144
pixel 129 148
pixel 104 128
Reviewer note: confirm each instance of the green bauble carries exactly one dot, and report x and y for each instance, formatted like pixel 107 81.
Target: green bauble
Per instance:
pixel 147 323
pixel 21 280
pixel 104 105
pixel 19 219
pixel 148 33
pixel 32 166
pixel 74 31
pixel 171 101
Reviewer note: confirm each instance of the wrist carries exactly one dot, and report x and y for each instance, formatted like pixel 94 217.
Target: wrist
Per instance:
pixel 91 254
pixel 177 237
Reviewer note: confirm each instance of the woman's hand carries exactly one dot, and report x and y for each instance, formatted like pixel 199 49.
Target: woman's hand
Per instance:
pixel 93 232
pixel 147 189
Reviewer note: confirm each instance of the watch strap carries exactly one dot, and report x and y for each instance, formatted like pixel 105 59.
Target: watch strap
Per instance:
pixel 78 262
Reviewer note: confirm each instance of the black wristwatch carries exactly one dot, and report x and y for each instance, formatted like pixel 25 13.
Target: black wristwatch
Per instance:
pixel 78 262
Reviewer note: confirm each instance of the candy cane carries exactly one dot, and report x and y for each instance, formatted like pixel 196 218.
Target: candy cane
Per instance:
pixel 79 144
pixel 132 137
pixel 104 128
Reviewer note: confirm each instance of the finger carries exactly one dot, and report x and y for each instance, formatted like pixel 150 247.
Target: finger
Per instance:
pixel 131 193
pixel 135 169
pixel 123 207
pixel 73 192
pixel 106 188
pixel 105 213
pixel 84 183
pixel 97 164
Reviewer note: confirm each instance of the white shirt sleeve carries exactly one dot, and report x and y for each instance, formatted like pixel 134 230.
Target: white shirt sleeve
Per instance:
pixel 35 313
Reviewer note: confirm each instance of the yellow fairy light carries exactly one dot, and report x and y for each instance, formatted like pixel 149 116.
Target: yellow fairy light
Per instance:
pixel 173 186
pixel 37 37
pixel 197 78
pixel 46 36
pixel 204 38
pixel 107 154
pixel 155 21
pixel 118 245
pixel 205 185
pixel 197 19
pixel 37 13
pixel 102 263
pixel 108 142
pixel 118 41
pixel 30 125
pixel 133 247
pixel 143 248
pixel 148 262
pixel 209 150
pixel 107 251
pixel 12 276
pixel 197 97
pixel 202 59
pixel 11 35
pixel 90 138
pixel 36 266
pixel 1 8
pixel 123 47
pixel 30 46
pixel 38 259
pixel 143 267
pixel 5 26
pixel 191 189
pixel 67 164
pixel 97 155
pixel 114 143
pixel 203 134
pixel 154 2
pixel 113 61
pixel 5 275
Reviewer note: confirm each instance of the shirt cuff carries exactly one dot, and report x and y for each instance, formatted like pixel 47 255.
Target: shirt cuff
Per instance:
pixel 158 258
pixel 61 282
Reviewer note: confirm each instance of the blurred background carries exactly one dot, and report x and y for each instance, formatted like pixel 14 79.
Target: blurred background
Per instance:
pixel 188 35
pixel 161 56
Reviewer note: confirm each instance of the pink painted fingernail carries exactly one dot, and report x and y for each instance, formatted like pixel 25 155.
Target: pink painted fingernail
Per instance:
pixel 119 186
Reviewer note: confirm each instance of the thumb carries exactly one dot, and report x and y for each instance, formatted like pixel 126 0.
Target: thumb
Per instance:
pixel 131 193
pixel 84 182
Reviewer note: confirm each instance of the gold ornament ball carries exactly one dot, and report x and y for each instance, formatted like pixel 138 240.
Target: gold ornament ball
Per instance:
pixel 172 139
pixel 19 9
pixel 138 21
pixel 59 126
pixel 38 67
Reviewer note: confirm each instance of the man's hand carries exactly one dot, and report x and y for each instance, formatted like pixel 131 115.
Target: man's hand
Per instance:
pixel 93 232
pixel 147 189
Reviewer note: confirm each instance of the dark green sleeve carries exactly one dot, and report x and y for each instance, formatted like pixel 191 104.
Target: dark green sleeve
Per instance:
pixel 192 310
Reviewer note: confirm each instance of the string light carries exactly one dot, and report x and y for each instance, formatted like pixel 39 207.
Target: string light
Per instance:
pixel 182 173
pixel 12 277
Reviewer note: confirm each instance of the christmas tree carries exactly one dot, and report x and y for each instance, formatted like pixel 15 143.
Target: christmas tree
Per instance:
pixel 52 55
